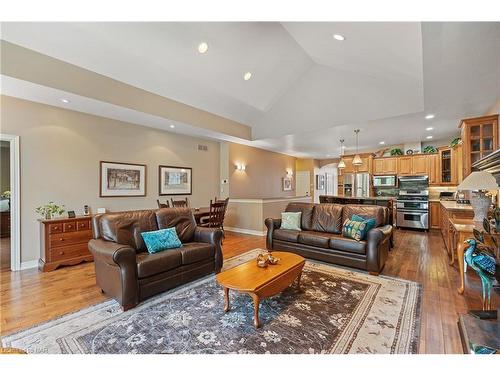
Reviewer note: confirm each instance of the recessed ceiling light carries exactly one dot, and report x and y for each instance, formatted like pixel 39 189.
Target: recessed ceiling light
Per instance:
pixel 247 76
pixel 172 126
pixel 429 137
pixel 381 143
pixel 65 101
pixel 430 116
pixel 429 129
pixel 338 37
pixel 203 47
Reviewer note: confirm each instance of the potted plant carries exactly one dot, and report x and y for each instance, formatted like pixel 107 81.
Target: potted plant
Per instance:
pixel 430 150
pixel 6 195
pixel 455 142
pixel 396 151
pixel 49 210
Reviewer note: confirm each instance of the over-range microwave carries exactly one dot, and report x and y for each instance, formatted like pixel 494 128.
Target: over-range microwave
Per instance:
pixel 385 181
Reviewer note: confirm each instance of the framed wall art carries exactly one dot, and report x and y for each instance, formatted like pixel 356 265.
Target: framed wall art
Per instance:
pixel 287 183
pixel 175 180
pixel 122 179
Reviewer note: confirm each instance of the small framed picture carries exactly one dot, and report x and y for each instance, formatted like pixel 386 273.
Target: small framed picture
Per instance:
pixel 122 180
pixel 320 182
pixel 71 214
pixel 175 180
pixel 287 183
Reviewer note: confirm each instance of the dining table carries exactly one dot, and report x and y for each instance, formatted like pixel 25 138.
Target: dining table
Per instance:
pixel 200 212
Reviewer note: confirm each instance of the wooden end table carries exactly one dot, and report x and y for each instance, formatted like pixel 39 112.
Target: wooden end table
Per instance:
pixel 259 282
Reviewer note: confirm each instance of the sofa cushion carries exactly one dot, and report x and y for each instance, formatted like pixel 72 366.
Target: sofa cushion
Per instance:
pixel 317 239
pixel 327 218
pixel 193 252
pixel 348 245
pixel 152 264
pixel 307 211
pixel 180 218
pixel 286 235
pixel 126 227
pixel 366 211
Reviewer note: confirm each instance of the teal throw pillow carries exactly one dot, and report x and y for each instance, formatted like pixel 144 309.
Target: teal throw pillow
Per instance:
pixel 354 229
pixel 291 220
pixel 370 222
pixel 159 240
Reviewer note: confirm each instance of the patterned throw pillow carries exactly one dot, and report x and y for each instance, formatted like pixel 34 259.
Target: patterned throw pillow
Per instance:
pixel 291 220
pixel 159 240
pixel 370 222
pixel 354 229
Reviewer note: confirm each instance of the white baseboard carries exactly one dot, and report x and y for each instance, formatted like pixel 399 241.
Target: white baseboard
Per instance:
pixel 246 231
pixel 29 264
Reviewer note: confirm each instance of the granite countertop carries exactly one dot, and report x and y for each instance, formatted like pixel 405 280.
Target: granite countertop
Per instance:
pixel 379 198
pixel 454 206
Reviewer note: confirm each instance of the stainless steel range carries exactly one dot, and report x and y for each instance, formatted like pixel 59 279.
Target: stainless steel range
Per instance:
pixel 413 202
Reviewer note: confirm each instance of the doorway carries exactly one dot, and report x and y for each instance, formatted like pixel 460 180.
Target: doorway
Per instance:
pixel 10 254
pixel 303 184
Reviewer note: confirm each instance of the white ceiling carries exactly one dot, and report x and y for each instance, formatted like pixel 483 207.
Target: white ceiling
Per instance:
pixel 307 90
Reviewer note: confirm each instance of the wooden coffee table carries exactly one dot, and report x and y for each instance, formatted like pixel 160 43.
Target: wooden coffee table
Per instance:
pixel 259 282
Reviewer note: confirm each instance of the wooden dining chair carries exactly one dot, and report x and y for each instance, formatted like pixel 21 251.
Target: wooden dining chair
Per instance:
pixel 163 205
pixel 216 216
pixel 180 203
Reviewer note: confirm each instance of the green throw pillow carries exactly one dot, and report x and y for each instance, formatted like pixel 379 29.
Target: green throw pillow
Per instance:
pixel 370 222
pixel 291 220
pixel 159 240
pixel 354 229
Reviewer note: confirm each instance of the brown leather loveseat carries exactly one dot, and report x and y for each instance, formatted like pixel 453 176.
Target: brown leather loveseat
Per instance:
pixel 321 235
pixel 127 272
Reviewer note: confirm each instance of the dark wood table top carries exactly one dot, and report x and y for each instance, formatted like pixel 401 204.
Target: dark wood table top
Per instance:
pixel 200 212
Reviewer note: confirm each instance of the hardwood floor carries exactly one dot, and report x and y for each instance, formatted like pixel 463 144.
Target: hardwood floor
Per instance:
pixel 31 297
pixel 5 253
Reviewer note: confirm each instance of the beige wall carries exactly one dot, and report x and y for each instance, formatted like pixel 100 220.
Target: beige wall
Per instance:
pixel 4 166
pixel 263 175
pixel 60 154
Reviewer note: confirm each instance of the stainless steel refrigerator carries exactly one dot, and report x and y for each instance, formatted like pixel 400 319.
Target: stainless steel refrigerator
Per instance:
pixel 357 185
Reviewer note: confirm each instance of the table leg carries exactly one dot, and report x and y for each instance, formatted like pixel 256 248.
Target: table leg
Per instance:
pixel 256 303
pixel 460 256
pixel 298 280
pixel 226 300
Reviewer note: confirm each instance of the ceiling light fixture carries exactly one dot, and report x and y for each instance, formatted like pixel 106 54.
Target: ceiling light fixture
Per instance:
pixel 338 37
pixel 429 116
pixel 172 126
pixel 341 163
pixel 357 159
pixel 381 143
pixel 429 129
pixel 66 101
pixel 429 137
pixel 247 76
pixel 203 47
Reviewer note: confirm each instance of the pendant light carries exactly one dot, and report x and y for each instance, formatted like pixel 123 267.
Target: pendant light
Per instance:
pixel 357 159
pixel 341 164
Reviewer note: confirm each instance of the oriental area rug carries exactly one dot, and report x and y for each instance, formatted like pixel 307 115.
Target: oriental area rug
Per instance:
pixel 335 311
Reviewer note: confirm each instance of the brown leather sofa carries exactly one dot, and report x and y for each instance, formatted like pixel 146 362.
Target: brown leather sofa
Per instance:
pixel 127 272
pixel 321 235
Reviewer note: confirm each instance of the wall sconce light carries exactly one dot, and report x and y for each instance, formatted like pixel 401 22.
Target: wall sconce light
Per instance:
pixel 289 172
pixel 240 167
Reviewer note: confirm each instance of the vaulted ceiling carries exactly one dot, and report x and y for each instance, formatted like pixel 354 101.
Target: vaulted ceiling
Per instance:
pixel 307 89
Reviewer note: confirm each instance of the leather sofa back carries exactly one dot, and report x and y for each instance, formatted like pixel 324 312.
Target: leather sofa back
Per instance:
pixel 327 218
pixel 126 227
pixel 180 218
pixel 307 213
pixel 367 211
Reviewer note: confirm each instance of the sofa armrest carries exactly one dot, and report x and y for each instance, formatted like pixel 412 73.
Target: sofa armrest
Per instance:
pixel 116 271
pixel 377 247
pixel 212 236
pixel 271 225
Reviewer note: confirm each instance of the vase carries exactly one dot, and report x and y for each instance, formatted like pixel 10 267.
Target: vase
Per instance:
pixel 48 216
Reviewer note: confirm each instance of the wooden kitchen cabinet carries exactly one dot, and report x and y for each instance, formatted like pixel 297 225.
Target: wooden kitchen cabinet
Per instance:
pixel 435 215
pixel 448 166
pixel 420 165
pixel 434 169
pixel 385 166
pixel 366 167
pixel 405 165
pixel 479 138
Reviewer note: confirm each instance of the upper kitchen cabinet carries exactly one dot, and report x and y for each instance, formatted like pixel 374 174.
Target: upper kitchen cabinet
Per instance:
pixel 385 166
pixel 450 161
pixel 405 165
pixel 434 169
pixel 366 167
pixel 420 164
pixel 479 138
